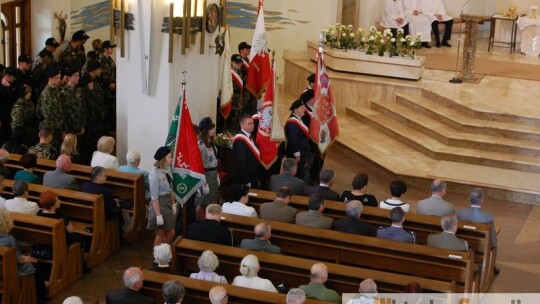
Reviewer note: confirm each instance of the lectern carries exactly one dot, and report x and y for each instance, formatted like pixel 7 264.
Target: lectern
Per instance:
pixel 469 47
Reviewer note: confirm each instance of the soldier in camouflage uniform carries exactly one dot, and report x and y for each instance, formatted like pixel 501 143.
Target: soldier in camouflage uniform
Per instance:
pixel 81 51
pixel 39 78
pixel 23 116
pixel 50 111
pixel 92 96
pixel 70 55
pixel 71 99
pixel 108 80
pixel 44 149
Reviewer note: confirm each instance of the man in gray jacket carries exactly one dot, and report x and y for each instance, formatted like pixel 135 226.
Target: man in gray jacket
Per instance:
pixel 60 178
pixel 448 239
pixel 436 205
pixel 261 242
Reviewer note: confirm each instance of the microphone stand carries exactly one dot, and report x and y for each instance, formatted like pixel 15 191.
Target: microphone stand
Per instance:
pixel 456 79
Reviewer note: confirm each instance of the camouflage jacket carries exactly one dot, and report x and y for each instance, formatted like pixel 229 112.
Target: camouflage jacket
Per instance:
pixel 23 114
pixel 108 70
pixel 49 109
pixel 72 101
pixel 94 106
pixel 46 151
pixel 69 58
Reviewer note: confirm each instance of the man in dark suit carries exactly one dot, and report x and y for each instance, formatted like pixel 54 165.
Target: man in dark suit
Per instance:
pixel 246 155
pixel 279 210
pixel 59 177
pixel 287 178
pixel 436 205
pixel 297 134
pixel 133 282
pixel 327 180
pixel 261 242
pixel 210 230
pixel 448 239
pixel 353 224
pixel 314 216
pixel 396 231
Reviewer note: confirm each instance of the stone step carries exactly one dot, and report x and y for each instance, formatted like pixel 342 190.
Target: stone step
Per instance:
pixel 466 123
pixel 439 151
pixel 466 107
pixel 447 135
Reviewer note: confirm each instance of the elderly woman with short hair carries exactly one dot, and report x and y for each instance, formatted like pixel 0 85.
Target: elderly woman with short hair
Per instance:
pixel 208 262
pixel 249 268
pixel 102 157
pixel 133 159
pixel 162 257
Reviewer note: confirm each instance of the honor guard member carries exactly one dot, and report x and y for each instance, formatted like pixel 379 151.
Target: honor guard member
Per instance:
pixel 81 52
pixel 244 49
pixel 108 79
pixel 39 77
pixel 70 56
pixel 49 109
pixel 246 155
pixel 237 107
pixel 23 73
pixel 72 99
pixel 297 134
pixel 50 46
pixel 318 158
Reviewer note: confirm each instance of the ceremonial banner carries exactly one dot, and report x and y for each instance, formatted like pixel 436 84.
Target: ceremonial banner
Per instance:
pixel 187 166
pixel 267 147
pixel 323 127
pixel 226 88
pixel 259 71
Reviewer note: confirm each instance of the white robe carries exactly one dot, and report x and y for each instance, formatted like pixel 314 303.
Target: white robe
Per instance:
pixel 432 8
pixel 392 10
pixel 419 23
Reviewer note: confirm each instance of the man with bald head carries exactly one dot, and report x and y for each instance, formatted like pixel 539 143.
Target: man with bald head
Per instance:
pixel 436 205
pixel 261 242
pixel 367 293
pixel 59 178
pixel 210 229
pixel 133 282
pixel 316 289
pixel 4 157
pixel 296 296
pixel 218 295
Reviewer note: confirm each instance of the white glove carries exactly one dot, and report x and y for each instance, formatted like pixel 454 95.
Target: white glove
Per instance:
pixel 174 208
pixel 218 180
pixel 159 220
pixel 205 189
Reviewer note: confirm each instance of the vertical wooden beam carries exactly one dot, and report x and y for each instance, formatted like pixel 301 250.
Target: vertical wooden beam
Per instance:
pixel 171 31
pixel 187 33
pixel 184 28
pixel 203 28
pixel 122 28
pixel 223 4
pixel 111 21
pixel 194 15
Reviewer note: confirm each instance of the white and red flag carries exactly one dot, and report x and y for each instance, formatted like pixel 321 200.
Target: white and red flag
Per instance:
pixel 323 127
pixel 259 72
pixel 226 85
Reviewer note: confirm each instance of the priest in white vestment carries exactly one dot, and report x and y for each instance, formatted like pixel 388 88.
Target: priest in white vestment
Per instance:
pixel 418 22
pixel 393 17
pixel 435 11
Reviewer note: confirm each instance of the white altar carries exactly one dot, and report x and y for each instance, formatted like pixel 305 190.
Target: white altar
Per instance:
pixel 530 35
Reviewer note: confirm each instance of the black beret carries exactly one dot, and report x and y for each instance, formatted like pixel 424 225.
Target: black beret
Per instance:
pixel 296 104
pixel 52 71
pixel 236 58
pixel 85 80
pixel 10 71
pixel 311 78
pixel 93 65
pixel 206 124
pixel 71 70
pixel 161 153
pixel 244 45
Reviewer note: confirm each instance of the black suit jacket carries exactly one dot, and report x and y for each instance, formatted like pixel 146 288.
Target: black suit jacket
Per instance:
pixel 353 225
pixel 246 169
pixel 326 192
pixel 297 141
pixel 111 208
pixel 126 296
pixel 210 231
pixel 287 180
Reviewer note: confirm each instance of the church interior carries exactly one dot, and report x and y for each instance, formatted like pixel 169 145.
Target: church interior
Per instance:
pixel 483 132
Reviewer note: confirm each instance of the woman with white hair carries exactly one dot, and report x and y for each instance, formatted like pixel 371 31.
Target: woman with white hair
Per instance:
pixel 249 267
pixel 162 258
pixel 133 159
pixel 208 262
pixel 102 157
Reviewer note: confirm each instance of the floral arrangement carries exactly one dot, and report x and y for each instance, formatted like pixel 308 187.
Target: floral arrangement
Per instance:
pixel 345 37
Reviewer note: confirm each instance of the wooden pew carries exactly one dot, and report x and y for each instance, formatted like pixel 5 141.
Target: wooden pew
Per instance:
pixel 122 185
pixel 477 235
pixel 84 210
pixel 9 282
pixel 361 251
pixel 294 271
pixel 66 263
pixel 197 291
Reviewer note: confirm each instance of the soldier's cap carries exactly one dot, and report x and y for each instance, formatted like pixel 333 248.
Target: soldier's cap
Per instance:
pixel 52 42
pixel 307 95
pixel 206 124
pixel 85 80
pixel 71 70
pixel 107 44
pixel 161 153
pixel 24 58
pixel 236 58
pixel 91 55
pixel 93 65
pixel 79 35
pixel 10 71
pixel 244 45
pixel 296 104
pixel 52 71
pixel 311 78
pixel 45 53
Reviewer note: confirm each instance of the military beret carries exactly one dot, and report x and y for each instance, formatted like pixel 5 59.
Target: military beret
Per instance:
pixel 52 42
pixel 52 71
pixel 10 71
pixel 296 104
pixel 107 44
pixel 236 58
pixel 161 153
pixel 25 58
pixel 206 124
pixel 71 70
pixel 244 45
pixel 93 65
pixel 311 78
pixel 85 80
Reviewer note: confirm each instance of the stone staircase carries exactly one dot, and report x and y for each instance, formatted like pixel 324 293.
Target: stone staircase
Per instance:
pixel 446 139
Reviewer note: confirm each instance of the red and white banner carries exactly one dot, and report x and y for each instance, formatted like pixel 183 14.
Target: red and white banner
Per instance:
pixel 259 72
pixel 267 147
pixel 226 88
pixel 324 125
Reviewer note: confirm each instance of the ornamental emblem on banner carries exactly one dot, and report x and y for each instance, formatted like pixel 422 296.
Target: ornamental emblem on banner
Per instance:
pixel 179 163
pixel 265 124
pixel 181 188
